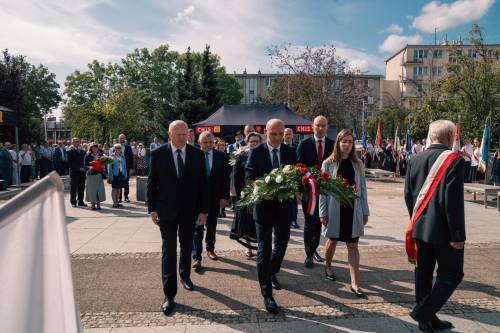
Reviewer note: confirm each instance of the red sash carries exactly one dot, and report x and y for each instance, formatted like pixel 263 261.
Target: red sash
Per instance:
pixel 435 175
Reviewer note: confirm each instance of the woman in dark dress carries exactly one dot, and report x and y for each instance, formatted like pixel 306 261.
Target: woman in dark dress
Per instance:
pixel 342 222
pixel 243 228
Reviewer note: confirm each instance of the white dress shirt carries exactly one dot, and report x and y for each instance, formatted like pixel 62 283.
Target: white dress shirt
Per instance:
pixel 270 148
pixel 174 155
pixel 25 157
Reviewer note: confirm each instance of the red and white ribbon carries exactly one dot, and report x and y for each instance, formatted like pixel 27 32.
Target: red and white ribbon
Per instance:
pixel 313 195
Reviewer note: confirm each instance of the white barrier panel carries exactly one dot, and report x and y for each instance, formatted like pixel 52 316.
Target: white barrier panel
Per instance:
pixel 36 286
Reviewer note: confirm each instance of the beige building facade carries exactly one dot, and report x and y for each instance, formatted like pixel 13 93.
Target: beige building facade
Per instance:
pixel 412 70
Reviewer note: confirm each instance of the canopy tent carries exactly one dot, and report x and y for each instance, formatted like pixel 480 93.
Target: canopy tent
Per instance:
pixel 232 118
pixel 8 117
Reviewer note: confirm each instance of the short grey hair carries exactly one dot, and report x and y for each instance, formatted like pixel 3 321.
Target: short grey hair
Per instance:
pixel 205 134
pixel 441 130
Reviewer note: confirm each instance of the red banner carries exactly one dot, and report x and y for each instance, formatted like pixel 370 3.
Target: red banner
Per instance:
pixel 200 129
pixel 303 129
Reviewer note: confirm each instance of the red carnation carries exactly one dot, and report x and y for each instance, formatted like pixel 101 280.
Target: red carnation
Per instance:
pixel 317 167
pixel 97 165
pixel 355 187
pixel 300 165
pixel 325 175
pixel 303 170
pixel 304 180
pixel 346 183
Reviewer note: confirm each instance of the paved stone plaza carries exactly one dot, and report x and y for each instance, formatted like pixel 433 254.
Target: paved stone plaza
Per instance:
pixel 116 268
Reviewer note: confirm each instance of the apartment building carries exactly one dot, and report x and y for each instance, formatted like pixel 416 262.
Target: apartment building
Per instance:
pixel 415 67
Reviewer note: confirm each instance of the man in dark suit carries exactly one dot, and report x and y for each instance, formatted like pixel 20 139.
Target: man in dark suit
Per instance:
pixel 60 159
pixel 76 161
pixel 177 194
pixel 288 140
pixel 271 214
pixel 313 151
pixel 439 232
pixel 129 160
pixel 218 170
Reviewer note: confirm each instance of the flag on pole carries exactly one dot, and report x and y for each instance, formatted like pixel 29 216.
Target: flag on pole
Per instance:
pixel 456 138
pixel 408 143
pixel 35 276
pixel 378 140
pixel 363 144
pixel 485 146
pixel 397 142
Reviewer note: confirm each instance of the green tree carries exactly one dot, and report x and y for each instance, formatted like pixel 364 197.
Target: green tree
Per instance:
pixel 391 118
pixel 30 90
pixel 211 90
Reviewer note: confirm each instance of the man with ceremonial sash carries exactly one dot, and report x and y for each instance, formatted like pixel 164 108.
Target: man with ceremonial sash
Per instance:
pixel 434 195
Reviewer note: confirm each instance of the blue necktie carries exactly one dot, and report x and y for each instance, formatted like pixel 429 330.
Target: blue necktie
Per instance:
pixel 207 163
pixel 276 161
pixel 180 164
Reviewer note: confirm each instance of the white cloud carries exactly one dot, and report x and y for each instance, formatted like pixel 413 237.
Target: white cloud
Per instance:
pixel 394 43
pixel 394 29
pixel 238 31
pixel 185 15
pixel 359 58
pixel 448 15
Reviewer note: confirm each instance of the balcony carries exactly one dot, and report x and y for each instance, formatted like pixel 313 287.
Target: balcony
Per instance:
pixel 413 61
pixel 406 79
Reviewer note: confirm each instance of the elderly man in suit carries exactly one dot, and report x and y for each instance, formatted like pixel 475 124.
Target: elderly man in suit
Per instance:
pixel 313 151
pixel 177 202
pixel 217 172
pixel 438 223
pixel 271 214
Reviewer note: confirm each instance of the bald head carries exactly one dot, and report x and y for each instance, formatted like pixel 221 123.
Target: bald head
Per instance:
pixel 177 132
pixel 275 131
pixel 320 126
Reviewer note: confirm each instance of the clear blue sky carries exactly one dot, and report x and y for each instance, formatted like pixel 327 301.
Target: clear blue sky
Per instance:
pixel 66 35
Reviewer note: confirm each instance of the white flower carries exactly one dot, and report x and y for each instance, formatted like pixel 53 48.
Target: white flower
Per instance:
pixel 287 168
pixel 255 190
pixel 275 170
pixel 279 179
pixel 267 179
pixel 243 193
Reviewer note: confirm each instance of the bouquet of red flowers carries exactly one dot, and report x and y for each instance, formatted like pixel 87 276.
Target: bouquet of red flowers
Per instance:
pixel 98 165
pixel 284 183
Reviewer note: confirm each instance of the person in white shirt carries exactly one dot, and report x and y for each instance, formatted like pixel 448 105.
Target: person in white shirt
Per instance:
pixel 466 153
pixel 474 164
pixel 25 161
pixel 417 148
pixel 15 170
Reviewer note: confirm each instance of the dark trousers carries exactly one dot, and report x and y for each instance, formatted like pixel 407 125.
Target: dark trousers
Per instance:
pixel 312 229
pixel 6 174
pixel 211 226
pixel 269 259
pixel 126 188
pixel 44 167
pixel 25 173
pixel 62 167
pixel 169 231
pixel 467 172
pixel 295 211
pixel 473 173
pixel 430 298
pixel 77 186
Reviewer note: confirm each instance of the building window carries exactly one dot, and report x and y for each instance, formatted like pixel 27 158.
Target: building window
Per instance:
pixel 367 114
pixel 471 53
pixel 488 53
pixel 452 59
pixel 438 54
pixel 368 99
pixel 419 54
pixel 437 71
pixel 370 83
pixel 419 71
pixel 268 82
pixel 419 87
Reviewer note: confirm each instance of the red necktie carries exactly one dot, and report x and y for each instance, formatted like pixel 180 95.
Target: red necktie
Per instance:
pixel 320 152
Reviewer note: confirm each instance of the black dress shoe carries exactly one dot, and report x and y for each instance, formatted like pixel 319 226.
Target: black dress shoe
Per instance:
pixel 439 324
pixel 317 257
pixel 275 283
pixel 73 205
pixel 425 326
pixel 270 305
pixel 358 293
pixel 187 284
pixel 82 204
pixel 295 225
pixel 127 199
pixel 309 262
pixel 167 306
pixel 331 276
